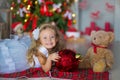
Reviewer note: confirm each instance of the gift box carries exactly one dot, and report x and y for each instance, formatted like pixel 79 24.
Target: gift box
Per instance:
pixel 5 23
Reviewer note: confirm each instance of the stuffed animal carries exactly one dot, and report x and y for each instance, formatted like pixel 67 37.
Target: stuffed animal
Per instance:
pixel 68 61
pixel 17 28
pixel 99 57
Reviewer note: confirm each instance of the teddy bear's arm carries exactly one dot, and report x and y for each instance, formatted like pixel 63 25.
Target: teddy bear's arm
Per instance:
pixel 85 62
pixel 109 59
pixel 87 55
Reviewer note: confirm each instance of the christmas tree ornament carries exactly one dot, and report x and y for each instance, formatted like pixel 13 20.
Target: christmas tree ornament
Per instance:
pixel 68 61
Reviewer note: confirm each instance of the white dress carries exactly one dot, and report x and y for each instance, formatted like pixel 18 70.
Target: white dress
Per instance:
pixel 43 50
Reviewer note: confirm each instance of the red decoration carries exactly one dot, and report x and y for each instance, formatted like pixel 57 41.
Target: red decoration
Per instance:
pixel 21 6
pixel 87 31
pixel 95 15
pixel 13 4
pixel 32 19
pixel 92 27
pixel 95 47
pixel 108 26
pixel 83 4
pixel 34 22
pixel 110 7
pixel 67 62
pixel 26 25
pixel 44 10
pixel 69 23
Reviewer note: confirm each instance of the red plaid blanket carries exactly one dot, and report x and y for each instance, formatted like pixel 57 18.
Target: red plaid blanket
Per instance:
pixel 83 74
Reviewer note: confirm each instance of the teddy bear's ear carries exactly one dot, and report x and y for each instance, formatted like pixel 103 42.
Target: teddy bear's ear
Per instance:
pixel 92 33
pixel 111 34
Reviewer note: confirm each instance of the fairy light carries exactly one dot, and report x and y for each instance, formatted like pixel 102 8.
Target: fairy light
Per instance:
pixel 75 0
pixel 11 8
pixel 25 20
pixel 28 7
pixel 27 15
pixel 73 15
pixel 36 2
pixel 17 12
pixel 25 1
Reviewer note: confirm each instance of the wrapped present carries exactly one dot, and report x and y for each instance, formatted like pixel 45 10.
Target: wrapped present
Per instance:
pixel 72 32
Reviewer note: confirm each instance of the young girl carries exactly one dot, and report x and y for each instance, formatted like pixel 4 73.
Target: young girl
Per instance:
pixel 45 45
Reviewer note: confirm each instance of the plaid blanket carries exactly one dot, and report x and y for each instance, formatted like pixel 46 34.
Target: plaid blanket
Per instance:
pixel 29 73
pixel 82 74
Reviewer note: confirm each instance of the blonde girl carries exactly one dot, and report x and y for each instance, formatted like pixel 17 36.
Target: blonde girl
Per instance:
pixel 46 42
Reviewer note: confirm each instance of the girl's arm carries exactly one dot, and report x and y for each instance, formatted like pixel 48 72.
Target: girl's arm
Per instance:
pixel 47 64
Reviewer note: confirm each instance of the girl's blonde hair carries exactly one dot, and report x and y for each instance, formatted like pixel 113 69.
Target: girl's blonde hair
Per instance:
pixel 36 43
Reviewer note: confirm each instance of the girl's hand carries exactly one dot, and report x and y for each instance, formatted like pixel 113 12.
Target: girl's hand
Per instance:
pixel 54 57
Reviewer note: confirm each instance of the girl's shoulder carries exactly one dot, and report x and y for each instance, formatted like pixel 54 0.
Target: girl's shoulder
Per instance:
pixel 43 50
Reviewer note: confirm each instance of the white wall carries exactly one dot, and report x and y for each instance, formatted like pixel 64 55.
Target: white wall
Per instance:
pixel 93 6
pixel 117 20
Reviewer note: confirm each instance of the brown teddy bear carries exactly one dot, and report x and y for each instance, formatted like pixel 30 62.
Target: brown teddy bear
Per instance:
pixel 99 57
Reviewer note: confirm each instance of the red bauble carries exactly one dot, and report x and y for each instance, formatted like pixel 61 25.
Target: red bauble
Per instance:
pixel 68 61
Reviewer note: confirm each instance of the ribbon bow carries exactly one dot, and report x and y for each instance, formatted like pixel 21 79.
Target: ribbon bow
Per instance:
pixel 36 34
pixel 96 46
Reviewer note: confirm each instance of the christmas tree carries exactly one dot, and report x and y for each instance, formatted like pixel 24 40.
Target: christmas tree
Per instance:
pixel 32 13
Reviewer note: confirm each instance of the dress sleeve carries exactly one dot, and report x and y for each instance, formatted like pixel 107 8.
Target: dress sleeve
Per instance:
pixel 43 50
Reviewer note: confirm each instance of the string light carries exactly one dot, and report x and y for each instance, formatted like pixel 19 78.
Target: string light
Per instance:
pixel 28 7
pixel 25 1
pixel 25 20
pixel 75 0
pixel 36 2
pixel 73 15
pixel 11 8
pixel 27 15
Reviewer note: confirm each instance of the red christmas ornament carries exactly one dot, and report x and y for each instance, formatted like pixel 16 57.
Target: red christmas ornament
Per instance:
pixel 13 4
pixel 34 22
pixel 68 61
pixel 21 6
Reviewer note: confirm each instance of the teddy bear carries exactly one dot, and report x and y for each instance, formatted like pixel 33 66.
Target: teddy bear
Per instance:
pixel 17 28
pixel 98 56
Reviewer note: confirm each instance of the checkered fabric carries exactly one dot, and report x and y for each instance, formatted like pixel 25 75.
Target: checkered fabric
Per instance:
pixel 29 73
pixel 83 74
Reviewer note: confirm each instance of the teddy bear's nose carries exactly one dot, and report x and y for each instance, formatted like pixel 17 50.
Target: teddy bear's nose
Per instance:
pixel 94 38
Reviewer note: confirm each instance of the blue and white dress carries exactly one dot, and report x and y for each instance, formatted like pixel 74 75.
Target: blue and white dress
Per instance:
pixel 13 54
pixel 44 51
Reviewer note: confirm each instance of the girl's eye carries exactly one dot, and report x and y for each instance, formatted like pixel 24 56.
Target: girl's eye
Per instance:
pixel 44 37
pixel 52 36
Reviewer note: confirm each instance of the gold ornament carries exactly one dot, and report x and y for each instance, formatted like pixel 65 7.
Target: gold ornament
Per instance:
pixel 74 21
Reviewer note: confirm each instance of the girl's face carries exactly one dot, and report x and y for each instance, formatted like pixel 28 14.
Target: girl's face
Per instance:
pixel 48 38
